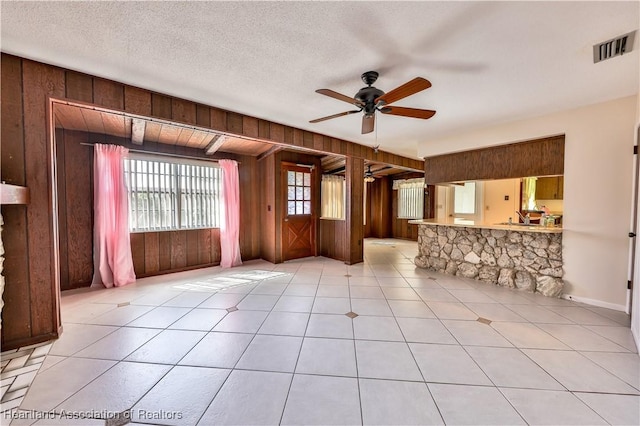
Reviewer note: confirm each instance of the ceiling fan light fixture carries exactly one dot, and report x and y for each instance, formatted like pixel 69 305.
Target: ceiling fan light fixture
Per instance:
pixel 368 175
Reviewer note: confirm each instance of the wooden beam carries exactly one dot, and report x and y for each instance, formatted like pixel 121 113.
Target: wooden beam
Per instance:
pixel 13 194
pixel 137 131
pixel 270 151
pixel 215 144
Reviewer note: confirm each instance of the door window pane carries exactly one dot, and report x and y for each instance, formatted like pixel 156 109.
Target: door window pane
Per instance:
pixel 298 190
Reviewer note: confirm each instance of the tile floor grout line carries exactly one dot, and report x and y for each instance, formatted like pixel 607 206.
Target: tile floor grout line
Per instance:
pixel 355 355
pixel 295 367
pixel 232 369
pixel 435 403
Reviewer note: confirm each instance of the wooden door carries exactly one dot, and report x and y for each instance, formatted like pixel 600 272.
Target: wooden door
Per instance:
pixel 298 223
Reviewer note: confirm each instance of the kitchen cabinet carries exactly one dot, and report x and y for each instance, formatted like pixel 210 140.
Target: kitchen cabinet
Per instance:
pixel 550 188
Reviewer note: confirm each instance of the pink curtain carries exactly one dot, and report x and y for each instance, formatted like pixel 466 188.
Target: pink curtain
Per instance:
pixel 112 261
pixel 230 227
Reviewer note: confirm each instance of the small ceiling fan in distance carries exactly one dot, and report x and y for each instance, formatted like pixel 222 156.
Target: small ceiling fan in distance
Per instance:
pixel 370 99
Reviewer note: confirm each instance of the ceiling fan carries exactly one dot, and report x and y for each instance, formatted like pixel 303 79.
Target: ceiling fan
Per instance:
pixel 368 175
pixel 370 99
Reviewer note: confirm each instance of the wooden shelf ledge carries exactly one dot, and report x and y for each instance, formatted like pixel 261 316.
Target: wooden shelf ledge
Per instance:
pixel 13 194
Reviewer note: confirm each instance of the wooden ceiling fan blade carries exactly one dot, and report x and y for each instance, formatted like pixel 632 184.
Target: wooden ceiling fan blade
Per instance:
pixel 340 97
pixel 416 85
pixel 329 117
pixel 408 112
pixel 368 123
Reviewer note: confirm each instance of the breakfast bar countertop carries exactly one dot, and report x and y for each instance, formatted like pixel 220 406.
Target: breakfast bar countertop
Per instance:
pixel 466 223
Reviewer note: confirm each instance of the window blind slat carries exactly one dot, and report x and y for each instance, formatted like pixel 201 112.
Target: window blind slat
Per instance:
pixel 169 196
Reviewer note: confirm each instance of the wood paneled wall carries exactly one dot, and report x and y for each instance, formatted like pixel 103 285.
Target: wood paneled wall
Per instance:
pixel 163 252
pixel 380 215
pixel 540 157
pixel 333 241
pixel 31 312
pixel 75 208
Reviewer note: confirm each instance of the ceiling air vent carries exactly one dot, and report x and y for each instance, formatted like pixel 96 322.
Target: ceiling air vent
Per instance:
pixel 614 47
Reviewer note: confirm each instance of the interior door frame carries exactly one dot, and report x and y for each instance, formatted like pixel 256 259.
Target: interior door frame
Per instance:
pixel 315 204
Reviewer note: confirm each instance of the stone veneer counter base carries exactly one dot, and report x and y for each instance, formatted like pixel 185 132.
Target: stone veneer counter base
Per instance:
pixel 527 258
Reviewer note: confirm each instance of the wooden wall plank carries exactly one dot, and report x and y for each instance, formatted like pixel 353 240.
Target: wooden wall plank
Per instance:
pixel 183 111
pixel 61 186
pixel 203 115
pixel 137 253
pixel 264 130
pixel 178 249
pixel 160 106
pixel 267 210
pixel 192 247
pixel 218 119
pixel 215 246
pixel 151 253
pixel 78 203
pixel 12 163
pixel 235 123
pixel 381 214
pixel 277 132
pixel 79 86
pixel 250 126
pixel 39 82
pixel 204 247
pixel 164 251
pixel 108 93
pixel 137 101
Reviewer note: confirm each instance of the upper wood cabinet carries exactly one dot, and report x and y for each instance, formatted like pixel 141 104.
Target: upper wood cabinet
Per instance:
pixel 550 188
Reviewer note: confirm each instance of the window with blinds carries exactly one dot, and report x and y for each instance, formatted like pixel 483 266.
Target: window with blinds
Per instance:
pixel 170 194
pixel 410 198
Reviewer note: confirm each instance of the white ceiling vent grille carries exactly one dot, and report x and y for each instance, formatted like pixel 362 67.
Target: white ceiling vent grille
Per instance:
pixel 614 47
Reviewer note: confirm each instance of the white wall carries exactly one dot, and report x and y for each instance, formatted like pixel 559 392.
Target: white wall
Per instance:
pixel 635 311
pixel 496 208
pixel 597 189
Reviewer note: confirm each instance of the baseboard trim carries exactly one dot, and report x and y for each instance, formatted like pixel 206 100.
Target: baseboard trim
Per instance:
pixel 594 302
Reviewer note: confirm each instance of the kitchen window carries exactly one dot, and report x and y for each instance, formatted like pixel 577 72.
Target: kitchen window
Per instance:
pixel 167 194
pixel 467 200
pixel 410 198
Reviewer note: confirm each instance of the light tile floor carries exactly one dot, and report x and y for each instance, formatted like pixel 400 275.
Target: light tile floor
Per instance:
pixel 421 348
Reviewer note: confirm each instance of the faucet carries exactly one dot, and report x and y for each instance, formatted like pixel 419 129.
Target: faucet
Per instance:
pixel 525 219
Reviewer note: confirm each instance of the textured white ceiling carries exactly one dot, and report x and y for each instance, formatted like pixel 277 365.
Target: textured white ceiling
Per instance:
pixel 489 62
